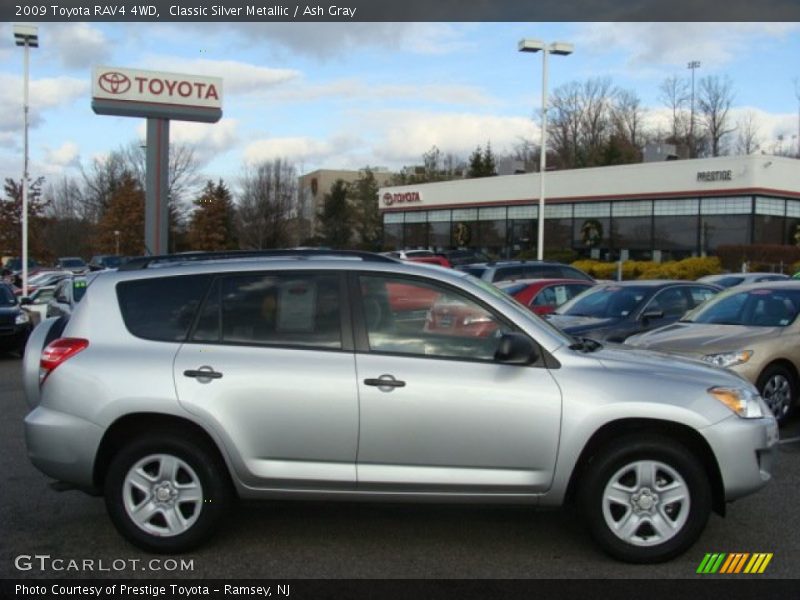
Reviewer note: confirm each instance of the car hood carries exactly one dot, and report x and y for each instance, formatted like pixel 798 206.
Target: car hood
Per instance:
pixel 665 364
pixel 700 339
pixel 574 323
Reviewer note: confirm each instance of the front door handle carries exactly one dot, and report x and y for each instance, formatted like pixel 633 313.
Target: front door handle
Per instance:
pixel 385 381
pixel 203 373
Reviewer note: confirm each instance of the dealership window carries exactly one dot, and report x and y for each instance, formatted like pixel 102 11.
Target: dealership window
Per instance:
pixel 392 231
pixel 415 230
pixel 792 231
pixel 675 226
pixel 632 228
pixel 439 229
pixel 558 226
pixel 492 230
pixel 592 228
pixel 769 221
pixel 522 228
pixel 720 230
pixel 464 230
pixel 726 206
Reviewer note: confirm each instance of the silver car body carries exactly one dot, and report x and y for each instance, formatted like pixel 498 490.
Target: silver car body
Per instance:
pixel 300 423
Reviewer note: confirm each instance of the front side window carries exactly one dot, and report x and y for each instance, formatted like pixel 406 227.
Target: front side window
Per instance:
pixel 754 308
pixel 275 309
pixel 417 318
pixel 672 302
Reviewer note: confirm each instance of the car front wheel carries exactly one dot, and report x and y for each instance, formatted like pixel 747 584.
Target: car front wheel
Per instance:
pixel 166 495
pixel 777 387
pixel 646 499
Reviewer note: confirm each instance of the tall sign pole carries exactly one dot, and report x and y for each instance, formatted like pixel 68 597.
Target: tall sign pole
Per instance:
pixel 160 98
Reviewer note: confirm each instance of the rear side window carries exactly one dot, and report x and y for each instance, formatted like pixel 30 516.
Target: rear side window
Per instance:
pixel 274 309
pixel 162 309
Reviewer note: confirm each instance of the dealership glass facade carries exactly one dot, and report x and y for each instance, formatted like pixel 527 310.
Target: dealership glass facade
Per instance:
pixel 661 229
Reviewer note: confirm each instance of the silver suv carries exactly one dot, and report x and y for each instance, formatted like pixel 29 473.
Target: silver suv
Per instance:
pixel 181 383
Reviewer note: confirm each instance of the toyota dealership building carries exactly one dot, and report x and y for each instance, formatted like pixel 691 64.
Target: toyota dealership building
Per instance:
pixel 659 211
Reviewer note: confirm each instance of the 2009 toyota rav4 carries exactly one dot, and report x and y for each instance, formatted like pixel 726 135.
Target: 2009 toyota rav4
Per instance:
pixel 181 383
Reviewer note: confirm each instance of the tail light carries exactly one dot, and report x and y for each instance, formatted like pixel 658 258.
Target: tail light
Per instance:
pixel 57 352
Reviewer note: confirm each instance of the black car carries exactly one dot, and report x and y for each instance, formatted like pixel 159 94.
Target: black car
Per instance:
pixel 15 324
pixel 615 311
pixel 511 270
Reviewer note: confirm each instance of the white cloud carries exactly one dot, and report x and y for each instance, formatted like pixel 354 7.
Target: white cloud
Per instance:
pixel 654 44
pixel 44 94
pixel 299 149
pixel 208 140
pixel 66 155
pixel 76 45
pixel 238 77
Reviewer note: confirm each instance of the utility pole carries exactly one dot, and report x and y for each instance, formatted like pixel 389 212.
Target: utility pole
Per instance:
pixel 695 64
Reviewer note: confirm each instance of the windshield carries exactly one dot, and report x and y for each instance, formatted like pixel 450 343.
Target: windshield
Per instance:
pixel 606 302
pixel 754 308
pixel 111 262
pixel 7 296
pixel 72 262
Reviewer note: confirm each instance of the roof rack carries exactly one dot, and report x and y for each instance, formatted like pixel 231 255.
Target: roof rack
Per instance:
pixel 143 262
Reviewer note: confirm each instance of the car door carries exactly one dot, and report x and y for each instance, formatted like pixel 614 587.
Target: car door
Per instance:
pixel 270 365
pixel 438 413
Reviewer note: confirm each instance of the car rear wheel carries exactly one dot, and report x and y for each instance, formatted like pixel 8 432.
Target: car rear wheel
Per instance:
pixel 646 499
pixel 166 495
pixel 777 387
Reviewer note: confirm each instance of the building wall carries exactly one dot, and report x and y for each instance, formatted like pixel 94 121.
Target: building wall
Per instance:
pixel 646 211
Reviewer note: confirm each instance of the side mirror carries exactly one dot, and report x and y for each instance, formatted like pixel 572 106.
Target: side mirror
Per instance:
pixel 24 301
pixel 653 314
pixel 516 349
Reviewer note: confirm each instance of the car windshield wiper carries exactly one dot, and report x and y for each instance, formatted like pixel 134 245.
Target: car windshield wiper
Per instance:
pixel 585 344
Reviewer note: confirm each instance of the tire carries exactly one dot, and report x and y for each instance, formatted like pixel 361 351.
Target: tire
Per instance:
pixel 778 388
pixel 181 484
pixel 622 494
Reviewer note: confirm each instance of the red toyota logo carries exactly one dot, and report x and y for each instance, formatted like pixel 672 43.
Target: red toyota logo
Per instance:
pixel 114 82
pixel 387 199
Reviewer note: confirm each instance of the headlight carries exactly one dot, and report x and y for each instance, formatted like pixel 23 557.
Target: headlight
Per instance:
pixel 22 318
pixel 729 359
pixel 740 400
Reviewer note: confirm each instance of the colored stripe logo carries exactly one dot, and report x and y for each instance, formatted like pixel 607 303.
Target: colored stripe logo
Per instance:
pixel 734 563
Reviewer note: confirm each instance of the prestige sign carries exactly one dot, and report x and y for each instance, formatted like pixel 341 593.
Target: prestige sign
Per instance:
pixel 726 175
pixel 124 92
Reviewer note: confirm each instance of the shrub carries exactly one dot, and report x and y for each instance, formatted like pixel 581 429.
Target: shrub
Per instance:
pixel 689 268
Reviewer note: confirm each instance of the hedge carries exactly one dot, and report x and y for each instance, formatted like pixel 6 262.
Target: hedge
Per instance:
pixel 688 268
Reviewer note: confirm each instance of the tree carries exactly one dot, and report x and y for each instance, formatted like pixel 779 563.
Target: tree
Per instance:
pixel 11 219
pixel 67 231
pixel 482 162
pixel 475 163
pixel 714 103
pixel 366 216
pixel 674 94
pixel 335 218
pixel 747 134
pixel 211 226
pixel 124 214
pixel 266 205
pixel 435 167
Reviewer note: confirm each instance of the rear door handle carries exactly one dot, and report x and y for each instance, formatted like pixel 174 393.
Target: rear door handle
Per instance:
pixel 203 373
pixel 387 381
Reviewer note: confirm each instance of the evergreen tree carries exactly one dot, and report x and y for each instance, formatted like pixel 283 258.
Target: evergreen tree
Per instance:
pixel 11 220
pixel 489 163
pixel 336 217
pixel 366 216
pixel 125 214
pixel 476 163
pixel 211 226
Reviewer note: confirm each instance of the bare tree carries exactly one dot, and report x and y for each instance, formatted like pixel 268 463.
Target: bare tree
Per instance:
pixel 101 180
pixel 65 226
pixel 714 103
pixel 674 95
pixel 627 115
pixel 265 204
pixel 747 134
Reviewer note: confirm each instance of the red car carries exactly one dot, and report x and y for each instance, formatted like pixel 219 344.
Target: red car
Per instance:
pixel 543 296
pixel 420 256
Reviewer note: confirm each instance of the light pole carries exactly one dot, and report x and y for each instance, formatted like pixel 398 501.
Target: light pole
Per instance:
pixel 695 64
pixel 116 238
pixel 26 36
pixel 562 49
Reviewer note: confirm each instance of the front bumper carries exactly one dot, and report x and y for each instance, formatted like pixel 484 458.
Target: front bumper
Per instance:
pixel 62 446
pixel 746 451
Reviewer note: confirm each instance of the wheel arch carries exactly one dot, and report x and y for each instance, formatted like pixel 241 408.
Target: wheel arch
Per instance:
pixel 133 425
pixel 683 434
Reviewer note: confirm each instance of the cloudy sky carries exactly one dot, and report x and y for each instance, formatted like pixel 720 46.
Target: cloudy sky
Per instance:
pixel 346 95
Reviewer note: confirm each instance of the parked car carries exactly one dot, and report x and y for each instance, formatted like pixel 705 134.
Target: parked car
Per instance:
pixel 513 270
pixel 75 264
pixel 752 330
pixel 727 280
pixel 67 294
pixel 543 296
pixel 172 390
pixel 463 257
pixel 106 261
pixel 420 256
pixel 36 303
pixel 45 278
pixel 613 312
pixel 15 324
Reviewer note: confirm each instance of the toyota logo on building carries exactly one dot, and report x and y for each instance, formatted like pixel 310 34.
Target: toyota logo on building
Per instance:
pixel 387 199
pixel 114 82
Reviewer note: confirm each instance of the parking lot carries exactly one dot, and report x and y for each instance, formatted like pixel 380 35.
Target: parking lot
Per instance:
pixel 347 540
